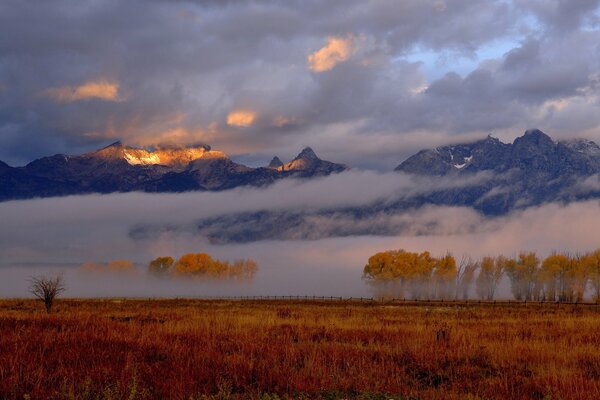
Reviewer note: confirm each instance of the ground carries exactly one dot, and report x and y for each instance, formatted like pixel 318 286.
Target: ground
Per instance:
pixel 195 349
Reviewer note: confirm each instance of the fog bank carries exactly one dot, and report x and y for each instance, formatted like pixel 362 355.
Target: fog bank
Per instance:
pixel 58 234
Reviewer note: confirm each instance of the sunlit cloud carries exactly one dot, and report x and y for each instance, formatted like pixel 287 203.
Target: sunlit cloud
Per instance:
pixel 140 130
pixel 337 50
pixel 241 118
pixel 283 121
pixel 101 89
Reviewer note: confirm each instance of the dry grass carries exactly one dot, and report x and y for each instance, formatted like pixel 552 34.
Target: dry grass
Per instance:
pixel 191 349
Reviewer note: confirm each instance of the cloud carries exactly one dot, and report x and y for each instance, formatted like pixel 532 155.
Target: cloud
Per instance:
pixel 103 90
pixel 337 50
pixel 241 118
pixel 395 76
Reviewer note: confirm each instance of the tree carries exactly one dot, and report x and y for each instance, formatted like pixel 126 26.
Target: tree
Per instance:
pixel 523 275
pixel 579 275
pixel 491 271
pixel 591 262
pixel 194 264
pixel 47 289
pixel 160 266
pixel 552 276
pixel 92 267
pixel 115 266
pixel 565 277
pixel 243 270
pixel 465 273
pixel 383 273
pixel 444 277
pixel 121 266
pixel 420 273
pixel 391 272
pixel 202 265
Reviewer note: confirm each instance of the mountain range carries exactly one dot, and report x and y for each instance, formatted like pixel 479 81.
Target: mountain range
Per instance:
pixel 489 176
pixel 532 170
pixel 120 168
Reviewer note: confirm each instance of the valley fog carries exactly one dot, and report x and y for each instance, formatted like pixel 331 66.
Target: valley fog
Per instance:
pixel 54 235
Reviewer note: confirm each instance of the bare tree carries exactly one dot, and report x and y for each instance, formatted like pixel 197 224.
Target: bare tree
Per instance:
pixel 464 276
pixel 46 289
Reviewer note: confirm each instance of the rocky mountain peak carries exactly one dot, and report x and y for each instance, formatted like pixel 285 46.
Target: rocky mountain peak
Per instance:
pixel 307 154
pixel 118 143
pixel 536 137
pixel 275 163
pixel 534 150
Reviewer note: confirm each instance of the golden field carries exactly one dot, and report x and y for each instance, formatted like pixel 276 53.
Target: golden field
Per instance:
pixel 201 349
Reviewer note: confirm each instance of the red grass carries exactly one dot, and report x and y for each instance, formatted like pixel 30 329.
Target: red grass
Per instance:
pixel 219 349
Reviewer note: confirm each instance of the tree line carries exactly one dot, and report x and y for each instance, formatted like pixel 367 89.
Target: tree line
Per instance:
pixel 196 265
pixel 202 265
pixel 558 277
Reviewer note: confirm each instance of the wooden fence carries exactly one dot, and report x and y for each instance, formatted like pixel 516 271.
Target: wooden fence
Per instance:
pixel 400 300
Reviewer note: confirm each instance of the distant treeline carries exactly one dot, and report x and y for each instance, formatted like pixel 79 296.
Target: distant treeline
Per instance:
pixel 197 265
pixel 559 277
pixel 202 265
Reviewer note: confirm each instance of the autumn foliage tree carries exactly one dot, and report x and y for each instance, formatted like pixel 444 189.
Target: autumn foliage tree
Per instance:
pixel 115 267
pixel 565 277
pixel 202 265
pixel 444 277
pixel 397 272
pixel 524 276
pixel 465 273
pixel 591 264
pixel 160 266
pixel 491 270
pixel 559 277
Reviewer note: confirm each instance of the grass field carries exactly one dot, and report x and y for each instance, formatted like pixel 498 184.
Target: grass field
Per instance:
pixel 193 349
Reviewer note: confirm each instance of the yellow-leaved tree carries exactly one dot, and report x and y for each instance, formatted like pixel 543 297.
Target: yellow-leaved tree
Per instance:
pixel 491 270
pixel 444 277
pixel 591 265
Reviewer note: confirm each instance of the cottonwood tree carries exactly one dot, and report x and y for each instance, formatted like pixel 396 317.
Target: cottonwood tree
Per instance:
pixel 523 276
pixel 161 266
pixel 591 263
pixel 202 265
pixel 115 266
pixel 444 277
pixel 553 276
pixel 491 270
pixel 564 278
pixel 47 289
pixel 385 274
pixel 243 270
pixel 394 272
pixel 121 266
pixel 465 273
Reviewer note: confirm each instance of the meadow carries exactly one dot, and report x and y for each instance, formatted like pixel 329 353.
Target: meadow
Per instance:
pixel 221 349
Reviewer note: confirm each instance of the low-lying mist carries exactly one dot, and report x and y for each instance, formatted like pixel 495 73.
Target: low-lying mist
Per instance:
pixel 58 234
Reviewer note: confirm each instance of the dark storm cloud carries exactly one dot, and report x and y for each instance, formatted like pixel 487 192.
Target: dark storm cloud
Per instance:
pixel 346 77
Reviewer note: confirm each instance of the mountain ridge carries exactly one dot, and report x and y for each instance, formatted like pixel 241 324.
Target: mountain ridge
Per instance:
pixel 531 170
pixel 121 168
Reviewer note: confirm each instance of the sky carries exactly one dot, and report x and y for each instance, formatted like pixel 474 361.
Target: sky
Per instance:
pixel 366 83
